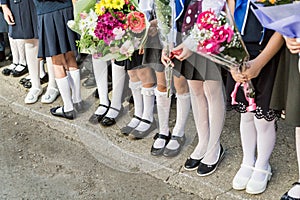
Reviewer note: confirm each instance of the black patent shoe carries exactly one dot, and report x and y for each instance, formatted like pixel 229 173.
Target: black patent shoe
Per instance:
pixel 23 80
pixel 142 134
pixel 109 121
pixel 95 118
pixel 8 71
pixel 128 129
pixel 159 151
pixel 191 164
pixel 205 170
pixel 68 115
pixel 174 152
pixel 16 73
pixel 286 195
pixel 90 82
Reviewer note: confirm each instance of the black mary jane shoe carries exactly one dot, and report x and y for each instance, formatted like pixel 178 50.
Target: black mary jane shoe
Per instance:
pixel 109 121
pixel 286 195
pixel 23 80
pixel 142 134
pixel 16 73
pixel 159 151
pixel 128 129
pixel 191 164
pixel 68 115
pixel 205 170
pixel 174 152
pixel 95 118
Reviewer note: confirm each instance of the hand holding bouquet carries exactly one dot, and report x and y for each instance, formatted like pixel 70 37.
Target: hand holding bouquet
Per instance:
pixel 110 29
pixel 216 37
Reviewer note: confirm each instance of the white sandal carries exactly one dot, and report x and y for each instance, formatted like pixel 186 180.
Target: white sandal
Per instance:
pixel 257 187
pixel 33 95
pixel 50 95
pixel 239 182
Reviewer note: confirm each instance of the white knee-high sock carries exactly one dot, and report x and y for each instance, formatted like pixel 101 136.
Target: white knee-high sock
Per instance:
pixel 21 50
pixel 31 52
pixel 74 78
pixel 213 91
pixel 42 69
pixel 14 50
pixel 163 104
pixel 148 100
pixel 266 137
pixel 100 72
pixel 200 113
pixel 63 85
pixel 118 79
pixel 295 190
pixel 138 102
pixel 248 140
pixel 50 69
pixel 183 108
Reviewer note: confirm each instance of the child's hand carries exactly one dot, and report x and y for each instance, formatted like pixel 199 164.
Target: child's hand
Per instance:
pixel 238 76
pixel 252 70
pixel 165 59
pixel 8 16
pixel 293 44
pixel 182 52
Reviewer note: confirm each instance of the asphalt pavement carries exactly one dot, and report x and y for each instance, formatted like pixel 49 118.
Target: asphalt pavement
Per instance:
pixel 122 153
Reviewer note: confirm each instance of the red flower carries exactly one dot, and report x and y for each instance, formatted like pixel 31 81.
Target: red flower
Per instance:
pixel 136 21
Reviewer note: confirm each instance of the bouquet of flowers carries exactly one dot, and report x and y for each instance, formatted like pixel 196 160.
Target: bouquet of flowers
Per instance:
pixel 165 12
pixel 280 15
pixel 216 37
pixel 109 29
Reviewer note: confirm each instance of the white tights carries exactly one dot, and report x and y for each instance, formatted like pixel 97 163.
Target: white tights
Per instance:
pixel 209 113
pixel 257 135
pixel 295 191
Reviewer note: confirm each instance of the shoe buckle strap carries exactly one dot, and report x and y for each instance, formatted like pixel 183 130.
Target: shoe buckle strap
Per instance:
pixel 157 135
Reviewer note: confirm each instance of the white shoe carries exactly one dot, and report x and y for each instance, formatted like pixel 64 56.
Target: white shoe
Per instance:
pixel 33 95
pixel 50 95
pixel 239 182
pixel 257 187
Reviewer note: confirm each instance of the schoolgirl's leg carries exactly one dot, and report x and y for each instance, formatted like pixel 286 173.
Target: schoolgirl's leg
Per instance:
pixel 100 73
pixel 177 141
pixel 31 52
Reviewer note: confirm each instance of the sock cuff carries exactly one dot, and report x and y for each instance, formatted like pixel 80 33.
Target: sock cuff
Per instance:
pixel 73 71
pixel 159 93
pixel 115 65
pixel 148 91
pixel 61 79
pixel 135 85
pixel 183 96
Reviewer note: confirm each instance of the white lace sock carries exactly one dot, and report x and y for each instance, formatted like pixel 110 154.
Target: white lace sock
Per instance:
pixel 148 99
pixel 42 69
pixel 183 108
pixel 266 137
pixel 21 52
pixel 163 104
pixel 31 50
pixel 200 113
pixel 14 50
pixel 118 80
pixel 138 102
pixel 248 139
pixel 50 69
pixel 295 190
pixel 64 88
pixel 213 91
pixel 100 73
pixel 74 78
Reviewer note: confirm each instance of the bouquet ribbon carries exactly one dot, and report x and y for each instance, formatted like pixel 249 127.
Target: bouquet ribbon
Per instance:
pixel 251 101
